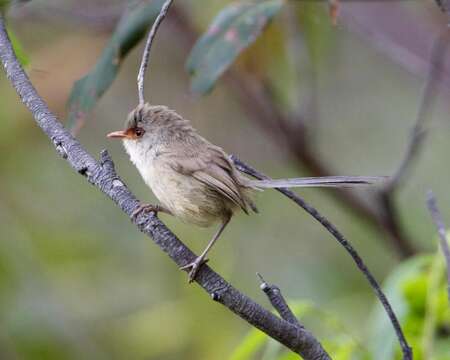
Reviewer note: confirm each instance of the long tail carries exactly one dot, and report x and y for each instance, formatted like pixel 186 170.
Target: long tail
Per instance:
pixel 324 181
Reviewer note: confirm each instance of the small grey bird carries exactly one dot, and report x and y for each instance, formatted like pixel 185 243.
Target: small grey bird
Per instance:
pixel 193 179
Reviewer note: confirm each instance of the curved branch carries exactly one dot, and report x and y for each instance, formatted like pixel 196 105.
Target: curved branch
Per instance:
pixel 424 112
pixel 406 349
pixel 257 100
pixel 103 176
pixel 148 46
pixel 417 139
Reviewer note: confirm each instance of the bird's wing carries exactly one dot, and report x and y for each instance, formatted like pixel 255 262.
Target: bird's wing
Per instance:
pixel 212 168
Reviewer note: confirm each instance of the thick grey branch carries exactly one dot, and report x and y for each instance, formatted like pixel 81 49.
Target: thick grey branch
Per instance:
pixel 102 175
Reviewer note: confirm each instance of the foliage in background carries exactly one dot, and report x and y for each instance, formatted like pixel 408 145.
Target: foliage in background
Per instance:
pixel 235 28
pixel 416 287
pixel 3 5
pixel 130 30
pixel 338 341
pixel 418 292
pixel 232 31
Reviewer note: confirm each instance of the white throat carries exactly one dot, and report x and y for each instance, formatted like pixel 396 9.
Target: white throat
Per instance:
pixel 141 156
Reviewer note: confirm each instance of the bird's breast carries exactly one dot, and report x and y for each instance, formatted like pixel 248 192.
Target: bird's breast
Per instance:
pixel 187 198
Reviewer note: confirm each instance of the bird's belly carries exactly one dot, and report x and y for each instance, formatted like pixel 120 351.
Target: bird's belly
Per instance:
pixel 187 198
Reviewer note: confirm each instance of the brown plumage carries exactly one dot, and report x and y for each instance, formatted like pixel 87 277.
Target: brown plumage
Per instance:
pixel 193 179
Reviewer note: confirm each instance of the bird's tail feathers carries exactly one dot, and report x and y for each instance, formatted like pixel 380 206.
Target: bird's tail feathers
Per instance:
pixel 324 181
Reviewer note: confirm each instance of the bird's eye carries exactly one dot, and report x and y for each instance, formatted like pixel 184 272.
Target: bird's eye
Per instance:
pixel 139 132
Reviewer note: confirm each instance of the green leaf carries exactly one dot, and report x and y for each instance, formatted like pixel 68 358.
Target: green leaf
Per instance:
pixel 340 344
pixel 252 343
pixel 256 339
pixel 127 34
pixel 434 306
pixel 3 5
pixel 233 30
pixel 382 341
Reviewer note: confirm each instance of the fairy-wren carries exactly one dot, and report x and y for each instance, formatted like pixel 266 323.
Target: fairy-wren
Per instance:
pixel 193 179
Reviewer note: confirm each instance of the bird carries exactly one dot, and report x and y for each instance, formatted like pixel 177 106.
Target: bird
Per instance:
pixel 195 180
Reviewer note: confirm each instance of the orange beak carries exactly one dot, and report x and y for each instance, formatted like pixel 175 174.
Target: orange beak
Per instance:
pixel 118 134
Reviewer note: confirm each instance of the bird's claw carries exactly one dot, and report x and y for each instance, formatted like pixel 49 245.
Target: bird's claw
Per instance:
pixel 146 208
pixel 194 267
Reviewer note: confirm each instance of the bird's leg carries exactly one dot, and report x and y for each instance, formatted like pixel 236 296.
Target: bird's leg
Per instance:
pixel 200 260
pixel 146 208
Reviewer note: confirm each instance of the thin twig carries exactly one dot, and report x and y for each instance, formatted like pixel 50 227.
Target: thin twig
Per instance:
pixel 407 351
pixel 103 176
pixel 148 46
pixel 387 194
pixel 428 99
pixel 290 133
pixel 277 300
pixel 439 222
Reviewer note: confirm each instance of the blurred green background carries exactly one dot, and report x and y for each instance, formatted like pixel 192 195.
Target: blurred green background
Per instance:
pixel 79 281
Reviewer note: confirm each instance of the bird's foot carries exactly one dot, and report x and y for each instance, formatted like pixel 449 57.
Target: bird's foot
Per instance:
pixel 194 267
pixel 146 208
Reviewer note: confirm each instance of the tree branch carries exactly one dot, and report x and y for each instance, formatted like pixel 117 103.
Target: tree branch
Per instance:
pixel 103 176
pixel 417 139
pixel 290 132
pixel 277 300
pixel 148 46
pixel 419 131
pixel 439 222
pixel 407 351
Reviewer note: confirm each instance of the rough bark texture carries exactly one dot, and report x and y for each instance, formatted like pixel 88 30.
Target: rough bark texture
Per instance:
pixel 102 175
pixel 277 300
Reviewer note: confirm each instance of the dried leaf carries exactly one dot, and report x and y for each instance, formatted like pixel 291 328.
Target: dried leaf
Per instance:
pixel 334 6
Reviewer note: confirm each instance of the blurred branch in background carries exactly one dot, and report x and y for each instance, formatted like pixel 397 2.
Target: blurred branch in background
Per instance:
pixel 290 131
pixel 102 175
pixel 289 121
pixel 418 134
pixel 407 351
pixel 444 5
pixel 424 112
pixel 440 226
pixel 258 100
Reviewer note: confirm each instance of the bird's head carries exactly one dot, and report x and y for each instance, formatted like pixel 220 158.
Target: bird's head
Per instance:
pixel 148 125
pixel 139 124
